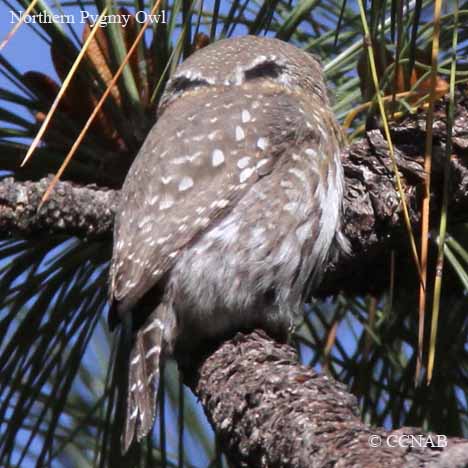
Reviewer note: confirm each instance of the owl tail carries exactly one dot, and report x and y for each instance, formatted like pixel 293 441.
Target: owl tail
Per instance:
pixel 143 378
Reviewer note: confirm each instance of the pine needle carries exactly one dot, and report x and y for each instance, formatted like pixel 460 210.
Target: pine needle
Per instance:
pixel 443 217
pixel 17 25
pixel 62 91
pixel 389 139
pixel 427 187
pixel 97 108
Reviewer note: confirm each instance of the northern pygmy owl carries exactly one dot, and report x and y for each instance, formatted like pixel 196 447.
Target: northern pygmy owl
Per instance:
pixel 230 210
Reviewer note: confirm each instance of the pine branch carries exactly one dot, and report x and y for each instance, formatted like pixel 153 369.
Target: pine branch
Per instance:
pixel 74 210
pixel 269 411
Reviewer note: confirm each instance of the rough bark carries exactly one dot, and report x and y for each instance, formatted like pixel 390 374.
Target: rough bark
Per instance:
pixel 71 209
pixel 269 411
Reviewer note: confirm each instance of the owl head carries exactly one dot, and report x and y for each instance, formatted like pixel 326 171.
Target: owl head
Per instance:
pixel 232 62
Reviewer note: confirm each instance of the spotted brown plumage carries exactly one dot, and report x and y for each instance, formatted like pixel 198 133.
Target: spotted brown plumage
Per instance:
pixel 230 209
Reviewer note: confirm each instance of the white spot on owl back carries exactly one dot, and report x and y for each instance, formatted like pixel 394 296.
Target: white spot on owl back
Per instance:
pixel 182 228
pixel 245 116
pixel 245 174
pixel 311 152
pixel 163 240
pixel 202 221
pixel 220 203
pixel 143 221
pixel 240 135
pixel 217 158
pixel 179 160
pixel 185 183
pixel 214 119
pixel 153 200
pixel 243 162
pixel 255 104
pixel 166 180
pixel 299 174
pixel 262 143
pixel 198 137
pixel 166 203
pixel 212 135
pixel 194 156
pixel 261 163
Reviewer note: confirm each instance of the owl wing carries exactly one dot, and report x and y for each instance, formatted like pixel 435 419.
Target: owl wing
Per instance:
pixel 199 159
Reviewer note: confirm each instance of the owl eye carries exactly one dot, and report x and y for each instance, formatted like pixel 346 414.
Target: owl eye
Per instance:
pixel 182 83
pixel 268 69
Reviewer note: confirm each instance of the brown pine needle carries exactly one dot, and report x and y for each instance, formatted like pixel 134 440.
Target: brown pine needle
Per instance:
pixel 61 92
pixel 427 187
pixel 331 339
pixel 17 25
pixel 97 108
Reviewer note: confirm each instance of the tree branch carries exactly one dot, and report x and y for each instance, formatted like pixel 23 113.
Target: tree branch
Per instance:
pixel 268 410
pixel 71 209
